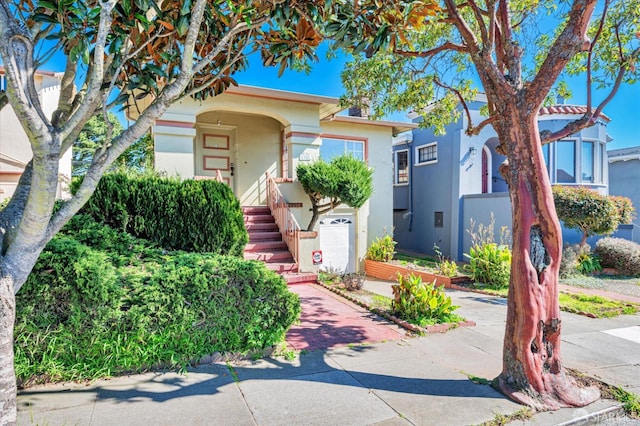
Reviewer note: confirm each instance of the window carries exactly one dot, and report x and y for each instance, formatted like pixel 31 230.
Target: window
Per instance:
pixel 438 220
pixel 587 162
pixel 332 148
pixel 427 154
pixel 603 162
pixel 401 167
pixel 566 162
pixel 545 154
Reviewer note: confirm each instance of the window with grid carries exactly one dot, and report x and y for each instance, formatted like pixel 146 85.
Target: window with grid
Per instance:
pixel 332 148
pixel 427 154
pixel 401 167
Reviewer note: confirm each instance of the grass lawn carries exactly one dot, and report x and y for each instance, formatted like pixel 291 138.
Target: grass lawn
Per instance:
pixel 599 307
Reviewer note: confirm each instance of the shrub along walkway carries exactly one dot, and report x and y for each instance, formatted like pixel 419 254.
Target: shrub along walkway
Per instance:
pixel 413 381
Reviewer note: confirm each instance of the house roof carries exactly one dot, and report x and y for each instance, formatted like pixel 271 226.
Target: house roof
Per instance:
pixel 38 72
pixel 624 154
pixel 396 126
pixel 328 105
pixel 563 109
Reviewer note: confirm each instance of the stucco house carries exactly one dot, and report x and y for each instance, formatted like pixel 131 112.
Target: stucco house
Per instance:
pixel 15 150
pixel 254 138
pixel 443 182
pixel 624 179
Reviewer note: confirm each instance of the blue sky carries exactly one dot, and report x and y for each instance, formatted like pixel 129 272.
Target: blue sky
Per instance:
pixel 324 79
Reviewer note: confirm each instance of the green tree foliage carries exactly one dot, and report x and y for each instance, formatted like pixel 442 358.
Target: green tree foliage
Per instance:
pixel 343 180
pixel 202 216
pixel 590 212
pixel 587 210
pixel 101 302
pixel 95 136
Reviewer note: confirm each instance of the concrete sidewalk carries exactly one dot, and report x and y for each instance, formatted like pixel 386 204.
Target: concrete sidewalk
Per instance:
pixel 421 381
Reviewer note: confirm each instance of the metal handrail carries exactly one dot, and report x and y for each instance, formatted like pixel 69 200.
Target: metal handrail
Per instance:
pixel 285 220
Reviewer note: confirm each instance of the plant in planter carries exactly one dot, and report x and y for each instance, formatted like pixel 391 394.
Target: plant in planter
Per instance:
pixel 422 303
pixel 382 249
pixel 445 266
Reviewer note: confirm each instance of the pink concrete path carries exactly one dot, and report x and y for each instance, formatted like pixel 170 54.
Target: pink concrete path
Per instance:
pixel 328 321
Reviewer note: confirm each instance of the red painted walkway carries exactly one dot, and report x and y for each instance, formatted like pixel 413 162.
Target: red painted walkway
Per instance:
pixel 328 321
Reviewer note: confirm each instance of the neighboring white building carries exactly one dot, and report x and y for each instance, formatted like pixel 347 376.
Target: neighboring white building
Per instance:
pixel 15 150
pixel 247 132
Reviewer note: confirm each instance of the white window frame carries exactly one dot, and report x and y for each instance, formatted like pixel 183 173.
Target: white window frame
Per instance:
pixel 595 159
pixel 417 154
pixel 576 144
pixel 345 140
pixel 395 168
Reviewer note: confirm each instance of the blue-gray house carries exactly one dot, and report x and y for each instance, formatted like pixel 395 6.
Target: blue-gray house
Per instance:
pixel 624 179
pixel 441 183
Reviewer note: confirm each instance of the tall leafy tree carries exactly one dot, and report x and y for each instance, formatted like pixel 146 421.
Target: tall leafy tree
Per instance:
pixel 343 180
pixel 144 55
pixel 517 52
pixel 95 135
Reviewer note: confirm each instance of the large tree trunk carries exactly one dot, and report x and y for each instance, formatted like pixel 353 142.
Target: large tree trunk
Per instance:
pixel 7 376
pixel 532 366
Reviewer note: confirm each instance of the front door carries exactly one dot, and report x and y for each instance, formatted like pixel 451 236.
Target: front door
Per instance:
pixel 215 154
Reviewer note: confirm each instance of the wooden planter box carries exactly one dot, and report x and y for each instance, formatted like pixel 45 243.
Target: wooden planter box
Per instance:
pixel 389 272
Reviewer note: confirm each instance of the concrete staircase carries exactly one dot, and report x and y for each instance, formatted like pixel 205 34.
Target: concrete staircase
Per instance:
pixel 266 245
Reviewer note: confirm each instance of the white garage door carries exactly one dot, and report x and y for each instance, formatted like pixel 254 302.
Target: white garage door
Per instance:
pixel 337 242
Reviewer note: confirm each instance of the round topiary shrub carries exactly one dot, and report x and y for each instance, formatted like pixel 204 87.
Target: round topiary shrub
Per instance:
pixel 203 216
pixel 621 254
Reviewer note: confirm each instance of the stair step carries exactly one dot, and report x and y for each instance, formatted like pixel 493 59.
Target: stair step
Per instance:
pixel 265 236
pixel 282 267
pixel 300 278
pixel 259 218
pixel 256 210
pixel 261 226
pixel 265 246
pixel 269 256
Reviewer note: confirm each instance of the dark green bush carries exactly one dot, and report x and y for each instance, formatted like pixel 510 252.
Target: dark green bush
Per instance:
pixel 202 216
pixel 100 302
pixel 624 255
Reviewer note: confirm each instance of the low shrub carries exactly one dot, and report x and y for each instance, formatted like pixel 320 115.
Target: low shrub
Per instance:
pixel 578 259
pixel 445 266
pixel 100 302
pixel 353 281
pixel 421 303
pixel 202 216
pixel 382 249
pixel 490 264
pixel 621 254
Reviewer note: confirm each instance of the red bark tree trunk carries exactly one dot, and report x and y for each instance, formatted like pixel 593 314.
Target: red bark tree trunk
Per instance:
pixel 532 367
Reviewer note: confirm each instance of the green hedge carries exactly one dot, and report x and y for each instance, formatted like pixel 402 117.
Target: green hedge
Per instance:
pixel 101 302
pixel 202 216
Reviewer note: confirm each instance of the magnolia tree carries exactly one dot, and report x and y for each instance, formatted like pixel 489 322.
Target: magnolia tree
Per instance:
pixel 517 52
pixel 117 53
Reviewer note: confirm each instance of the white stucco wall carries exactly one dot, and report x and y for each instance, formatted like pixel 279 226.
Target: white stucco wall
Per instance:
pixel 14 144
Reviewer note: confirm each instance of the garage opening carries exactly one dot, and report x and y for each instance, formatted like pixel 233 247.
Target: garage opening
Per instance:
pixel 337 242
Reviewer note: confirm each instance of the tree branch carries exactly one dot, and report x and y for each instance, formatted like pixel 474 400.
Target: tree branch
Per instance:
pixel 447 46
pixel 94 93
pixel 572 40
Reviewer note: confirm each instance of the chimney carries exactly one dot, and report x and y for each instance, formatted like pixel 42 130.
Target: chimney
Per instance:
pixel 360 111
